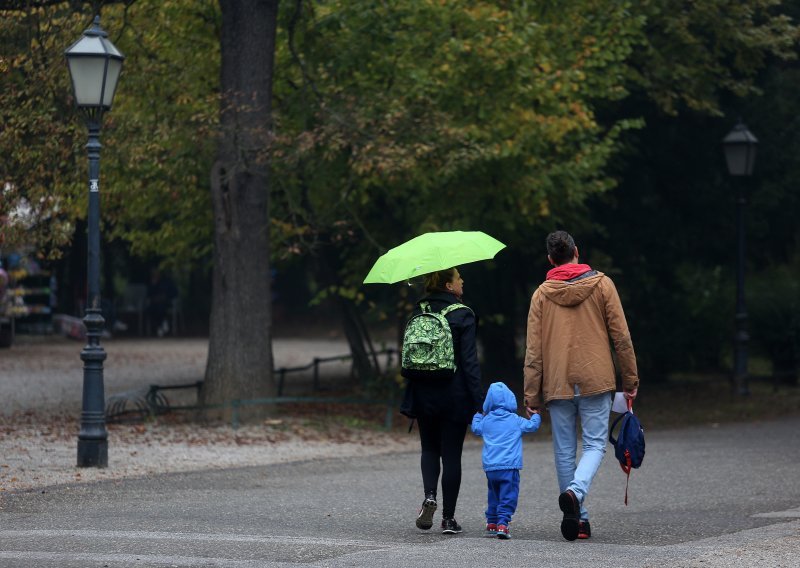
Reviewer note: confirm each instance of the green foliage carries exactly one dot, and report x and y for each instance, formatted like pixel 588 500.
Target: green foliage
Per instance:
pixel 163 141
pixel 39 179
pixel 396 118
pixel 692 52
pixel 351 293
pixel 157 141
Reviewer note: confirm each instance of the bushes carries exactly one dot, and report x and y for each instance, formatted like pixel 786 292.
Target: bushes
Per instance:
pixel 773 301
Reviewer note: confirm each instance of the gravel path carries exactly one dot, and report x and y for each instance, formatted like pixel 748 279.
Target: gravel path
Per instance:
pixel 46 373
pixel 41 388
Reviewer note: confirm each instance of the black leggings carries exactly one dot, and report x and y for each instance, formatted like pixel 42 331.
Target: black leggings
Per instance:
pixel 442 441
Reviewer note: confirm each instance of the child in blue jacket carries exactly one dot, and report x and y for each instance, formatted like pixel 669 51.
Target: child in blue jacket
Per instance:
pixel 502 429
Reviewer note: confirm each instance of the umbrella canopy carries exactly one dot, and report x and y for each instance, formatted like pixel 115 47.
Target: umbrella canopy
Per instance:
pixel 432 252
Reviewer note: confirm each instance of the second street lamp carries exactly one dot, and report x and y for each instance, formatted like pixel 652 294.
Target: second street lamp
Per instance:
pixel 94 67
pixel 740 155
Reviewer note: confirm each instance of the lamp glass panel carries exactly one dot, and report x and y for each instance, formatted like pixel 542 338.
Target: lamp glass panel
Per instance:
pixel 114 68
pixel 736 156
pixel 87 79
pixel 88 45
pixel 111 48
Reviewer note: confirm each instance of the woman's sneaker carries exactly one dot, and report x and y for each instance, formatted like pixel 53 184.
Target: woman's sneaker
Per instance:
pixel 584 530
pixel 425 517
pixel 450 526
pixel 491 529
pixel 503 532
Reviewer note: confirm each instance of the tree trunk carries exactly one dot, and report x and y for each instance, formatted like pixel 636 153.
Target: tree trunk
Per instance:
pixel 495 301
pixel 365 360
pixel 240 348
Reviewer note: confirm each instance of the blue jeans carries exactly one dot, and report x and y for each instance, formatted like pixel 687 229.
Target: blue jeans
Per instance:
pixel 594 412
pixel 503 485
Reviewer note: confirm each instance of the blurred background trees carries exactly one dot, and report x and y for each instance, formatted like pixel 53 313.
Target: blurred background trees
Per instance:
pixel 395 118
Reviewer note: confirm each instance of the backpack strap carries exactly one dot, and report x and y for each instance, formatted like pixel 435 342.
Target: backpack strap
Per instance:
pixel 611 437
pixel 425 307
pixel 453 307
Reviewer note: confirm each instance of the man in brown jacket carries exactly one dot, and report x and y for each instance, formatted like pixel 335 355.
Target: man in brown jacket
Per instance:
pixel 574 316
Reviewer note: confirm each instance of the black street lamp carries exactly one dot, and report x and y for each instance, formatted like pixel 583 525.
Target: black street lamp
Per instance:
pixel 740 154
pixel 94 66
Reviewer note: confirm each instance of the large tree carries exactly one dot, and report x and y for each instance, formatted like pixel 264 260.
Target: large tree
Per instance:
pixel 240 349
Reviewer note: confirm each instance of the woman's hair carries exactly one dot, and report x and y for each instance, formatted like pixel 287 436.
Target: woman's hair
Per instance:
pixel 435 281
pixel 560 247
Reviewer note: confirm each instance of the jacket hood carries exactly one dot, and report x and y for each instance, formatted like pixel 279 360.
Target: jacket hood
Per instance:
pixel 567 271
pixel 499 396
pixel 566 293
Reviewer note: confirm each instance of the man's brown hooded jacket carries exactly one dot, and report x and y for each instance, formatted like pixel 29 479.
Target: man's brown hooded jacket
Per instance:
pixel 570 327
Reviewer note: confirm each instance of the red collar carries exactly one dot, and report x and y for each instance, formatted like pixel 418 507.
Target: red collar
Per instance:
pixel 567 271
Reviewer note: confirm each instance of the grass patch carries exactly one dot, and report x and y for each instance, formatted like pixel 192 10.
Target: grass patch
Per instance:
pixel 691 401
pixel 679 402
pixel 682 401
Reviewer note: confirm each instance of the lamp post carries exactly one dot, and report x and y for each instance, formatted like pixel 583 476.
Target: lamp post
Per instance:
pixel 740 155
pixel 94 67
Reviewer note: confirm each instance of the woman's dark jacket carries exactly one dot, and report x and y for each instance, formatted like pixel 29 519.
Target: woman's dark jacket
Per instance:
pixel 459 397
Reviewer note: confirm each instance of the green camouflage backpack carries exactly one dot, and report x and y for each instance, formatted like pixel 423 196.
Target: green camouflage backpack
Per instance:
pixel 428 344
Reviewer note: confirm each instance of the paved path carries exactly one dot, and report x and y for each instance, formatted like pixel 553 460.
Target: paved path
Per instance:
pixel 710 497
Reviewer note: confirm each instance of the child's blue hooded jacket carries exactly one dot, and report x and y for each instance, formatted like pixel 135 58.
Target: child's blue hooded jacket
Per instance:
pixel 502 429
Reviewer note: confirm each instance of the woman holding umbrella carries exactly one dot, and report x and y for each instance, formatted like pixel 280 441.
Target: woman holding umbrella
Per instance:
pixel 443 407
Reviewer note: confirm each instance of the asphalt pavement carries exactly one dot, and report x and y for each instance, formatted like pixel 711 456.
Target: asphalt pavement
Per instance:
pixel 706 496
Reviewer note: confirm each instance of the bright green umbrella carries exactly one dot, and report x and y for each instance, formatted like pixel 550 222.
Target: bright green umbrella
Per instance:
pixel 432 252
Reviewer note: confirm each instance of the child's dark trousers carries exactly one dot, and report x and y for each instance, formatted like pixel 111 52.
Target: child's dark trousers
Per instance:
pixel 503 495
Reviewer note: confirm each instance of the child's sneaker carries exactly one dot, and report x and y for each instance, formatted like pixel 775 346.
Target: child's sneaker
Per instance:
pixel 502 532
pixel 491 529
pixel 450 526
pixel 425 517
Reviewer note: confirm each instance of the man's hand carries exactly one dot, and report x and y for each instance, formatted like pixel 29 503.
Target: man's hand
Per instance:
pixel 531 411
pixel 630 394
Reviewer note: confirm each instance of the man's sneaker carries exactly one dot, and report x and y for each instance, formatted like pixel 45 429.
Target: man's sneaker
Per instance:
pixel 491 529
pixel 569 505
pixel 425 517
pixel 502 532
pixel 450 526
pixel 584 530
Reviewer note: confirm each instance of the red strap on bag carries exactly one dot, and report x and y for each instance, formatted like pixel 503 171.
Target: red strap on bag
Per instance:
pixel 627 469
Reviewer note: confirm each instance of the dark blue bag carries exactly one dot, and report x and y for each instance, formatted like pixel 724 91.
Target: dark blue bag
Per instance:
pixel 629 445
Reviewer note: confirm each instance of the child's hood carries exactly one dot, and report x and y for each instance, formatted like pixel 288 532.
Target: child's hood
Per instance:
pixel 498 397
